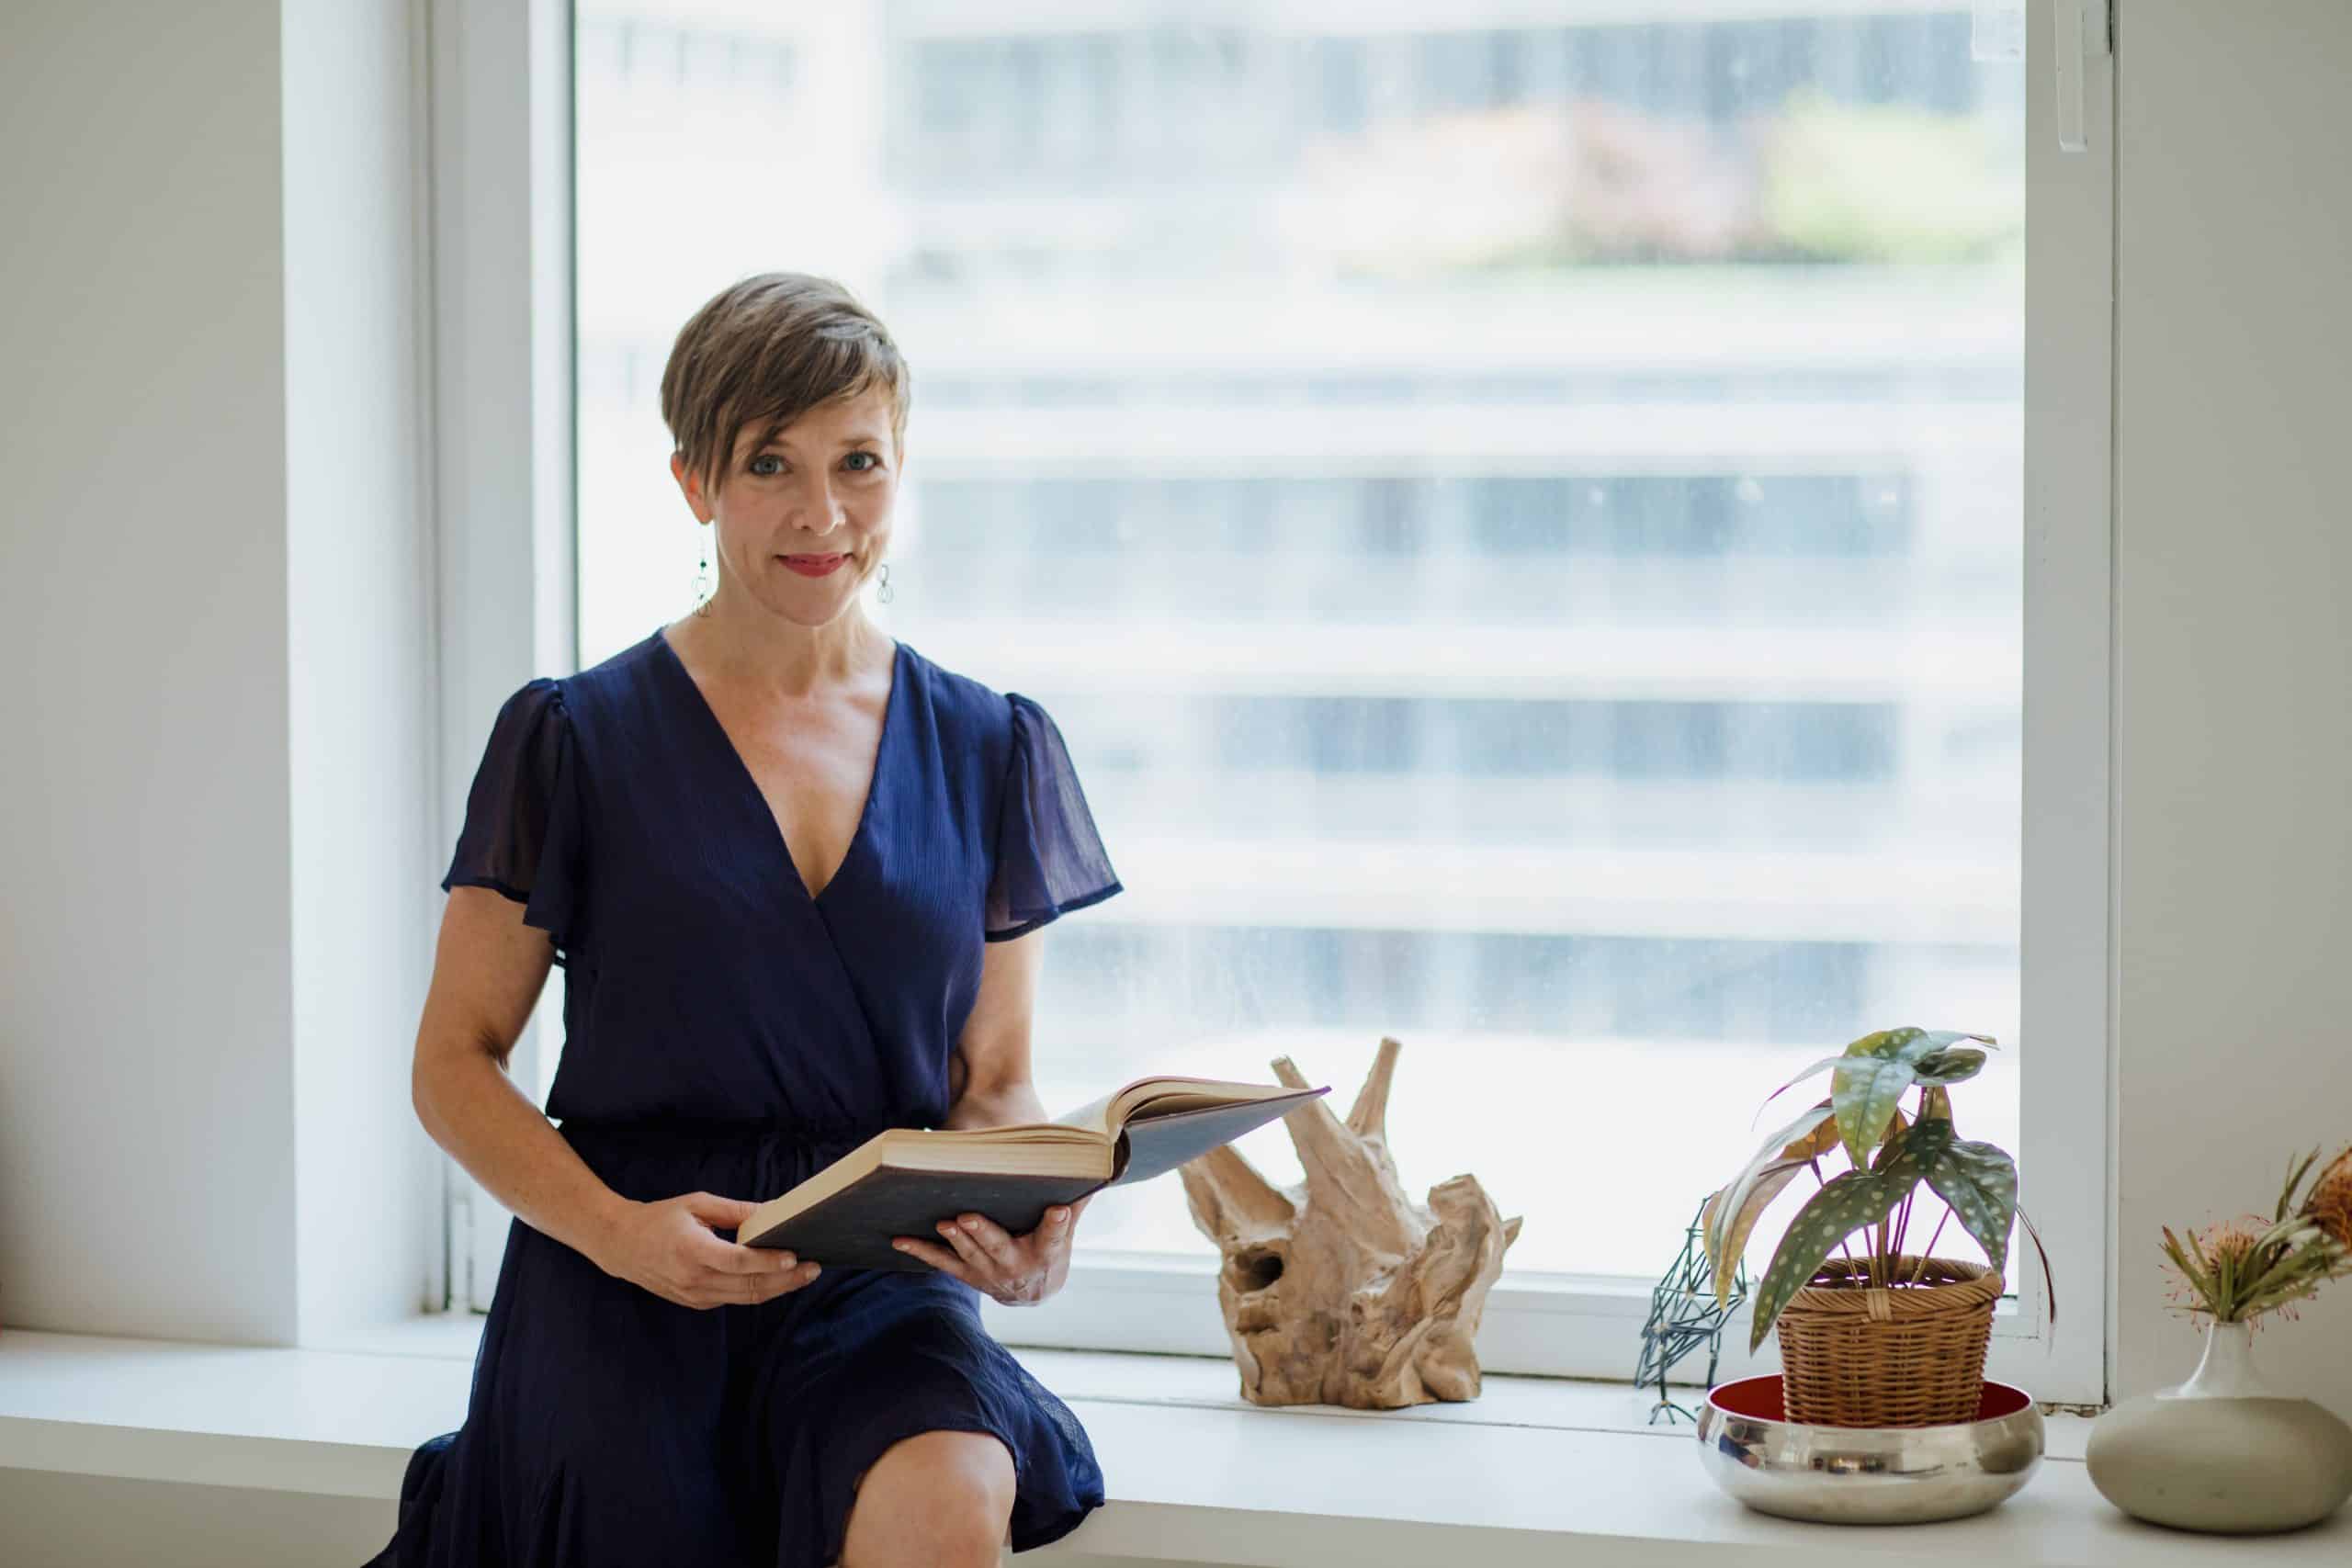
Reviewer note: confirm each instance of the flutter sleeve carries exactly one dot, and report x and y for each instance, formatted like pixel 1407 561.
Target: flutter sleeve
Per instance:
pixel 1049 860
pixel 522 834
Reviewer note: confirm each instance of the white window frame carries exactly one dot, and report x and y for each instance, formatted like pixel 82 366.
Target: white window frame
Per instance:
pixel 503 343
pixel 498 82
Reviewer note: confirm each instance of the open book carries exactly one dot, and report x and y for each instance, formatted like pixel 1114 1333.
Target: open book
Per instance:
pixel 905 1180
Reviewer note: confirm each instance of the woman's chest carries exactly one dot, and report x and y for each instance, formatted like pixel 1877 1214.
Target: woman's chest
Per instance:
pixel 735 854
pixel 814 774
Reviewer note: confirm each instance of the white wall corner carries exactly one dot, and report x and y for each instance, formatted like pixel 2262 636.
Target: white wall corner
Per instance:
pixel 2233 738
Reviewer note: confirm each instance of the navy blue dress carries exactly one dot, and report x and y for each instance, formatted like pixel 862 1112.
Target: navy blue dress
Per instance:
pixel 724 1031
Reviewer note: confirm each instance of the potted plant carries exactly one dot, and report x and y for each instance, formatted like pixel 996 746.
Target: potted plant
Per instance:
pixel 1876 1335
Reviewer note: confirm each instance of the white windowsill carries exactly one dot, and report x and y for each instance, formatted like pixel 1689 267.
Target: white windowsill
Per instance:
pixel 1534 1471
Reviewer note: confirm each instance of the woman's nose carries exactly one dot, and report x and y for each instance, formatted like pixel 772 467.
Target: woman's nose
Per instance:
pixel 820 512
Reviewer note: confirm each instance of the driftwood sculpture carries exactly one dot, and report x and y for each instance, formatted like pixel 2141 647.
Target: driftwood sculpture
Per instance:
pixel 1343 1290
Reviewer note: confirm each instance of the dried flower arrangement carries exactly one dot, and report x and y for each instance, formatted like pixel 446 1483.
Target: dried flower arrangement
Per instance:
pixel 2239 1271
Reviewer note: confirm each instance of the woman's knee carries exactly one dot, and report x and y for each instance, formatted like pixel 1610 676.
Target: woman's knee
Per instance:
pixel 947 1495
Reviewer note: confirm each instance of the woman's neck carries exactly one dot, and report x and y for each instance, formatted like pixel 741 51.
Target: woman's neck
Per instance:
pixel 747 646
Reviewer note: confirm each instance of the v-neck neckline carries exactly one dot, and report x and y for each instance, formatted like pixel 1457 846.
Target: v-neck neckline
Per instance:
pixel 759 797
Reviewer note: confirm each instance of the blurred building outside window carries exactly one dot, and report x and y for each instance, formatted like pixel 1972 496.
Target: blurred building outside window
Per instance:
pixel 1516 508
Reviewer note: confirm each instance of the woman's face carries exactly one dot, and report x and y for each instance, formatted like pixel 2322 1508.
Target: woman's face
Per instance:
pixel 803 519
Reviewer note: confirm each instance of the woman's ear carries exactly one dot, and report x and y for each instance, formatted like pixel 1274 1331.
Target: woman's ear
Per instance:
pixel 689 485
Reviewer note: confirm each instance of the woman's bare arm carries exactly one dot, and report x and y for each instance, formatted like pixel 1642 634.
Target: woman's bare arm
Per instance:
pixel 488 968
pixel 487 971
pixel 989 1076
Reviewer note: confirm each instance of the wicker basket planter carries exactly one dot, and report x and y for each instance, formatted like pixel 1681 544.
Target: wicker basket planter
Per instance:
pixel 1854 1356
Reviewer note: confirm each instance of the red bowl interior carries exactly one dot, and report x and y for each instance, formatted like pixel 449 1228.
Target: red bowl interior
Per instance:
pixel 1758 1399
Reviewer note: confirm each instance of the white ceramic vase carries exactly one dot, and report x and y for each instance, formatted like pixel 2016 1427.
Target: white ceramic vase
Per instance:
pixel 2224 1451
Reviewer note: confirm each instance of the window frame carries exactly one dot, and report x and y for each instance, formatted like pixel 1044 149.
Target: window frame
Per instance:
pixel 505 521
pixel 501 442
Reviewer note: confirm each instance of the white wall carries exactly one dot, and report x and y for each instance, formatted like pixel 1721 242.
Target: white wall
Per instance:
pixel 211 615
pixel 2233 556
pixel 146 1176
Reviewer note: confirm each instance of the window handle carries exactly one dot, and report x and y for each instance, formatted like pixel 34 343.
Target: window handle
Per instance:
pixel 2082 32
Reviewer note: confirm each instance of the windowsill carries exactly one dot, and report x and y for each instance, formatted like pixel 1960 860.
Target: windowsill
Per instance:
pixel 1534 1470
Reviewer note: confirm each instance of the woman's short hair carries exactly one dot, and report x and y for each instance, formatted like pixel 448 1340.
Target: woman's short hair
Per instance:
pixel 766 350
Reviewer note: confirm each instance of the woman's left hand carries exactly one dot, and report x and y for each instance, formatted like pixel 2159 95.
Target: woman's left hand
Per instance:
pixel 1019 1270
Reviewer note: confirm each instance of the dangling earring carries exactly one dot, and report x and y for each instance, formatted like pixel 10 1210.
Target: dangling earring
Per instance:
pixel 882 589
pixel 705 585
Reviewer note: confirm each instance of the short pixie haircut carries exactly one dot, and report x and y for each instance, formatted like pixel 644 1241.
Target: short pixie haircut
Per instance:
pixel 765 351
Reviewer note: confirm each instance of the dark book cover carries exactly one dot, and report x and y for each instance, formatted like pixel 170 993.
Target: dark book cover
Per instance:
pixel 852 1229
pixel 1157 1145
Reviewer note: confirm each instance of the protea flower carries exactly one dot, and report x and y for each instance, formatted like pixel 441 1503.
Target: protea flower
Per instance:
pixel 2236 1272
pixel 2330 1205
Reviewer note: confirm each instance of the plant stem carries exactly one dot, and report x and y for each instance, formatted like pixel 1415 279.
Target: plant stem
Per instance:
pixel 1920 1271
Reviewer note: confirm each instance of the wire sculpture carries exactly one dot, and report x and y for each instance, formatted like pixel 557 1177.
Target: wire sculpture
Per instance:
pixel 1683 1317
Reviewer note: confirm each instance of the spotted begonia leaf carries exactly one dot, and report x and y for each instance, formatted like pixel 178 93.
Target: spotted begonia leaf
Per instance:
pixel 1812 1133
pixel 1818 1140
pixel 1822 1066
pixel 1736 1221
pixel 1853 1201
pixel 1877 1070
pixel 1978 1180
pixel 1957 1064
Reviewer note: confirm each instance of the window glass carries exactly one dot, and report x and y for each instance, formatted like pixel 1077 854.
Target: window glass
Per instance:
pixel 1515 507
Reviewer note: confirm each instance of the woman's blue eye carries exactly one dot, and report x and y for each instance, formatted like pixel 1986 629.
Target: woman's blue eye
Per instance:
pixel 872 463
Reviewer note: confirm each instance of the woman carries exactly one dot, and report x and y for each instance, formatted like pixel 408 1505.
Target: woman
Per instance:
pixel 794 871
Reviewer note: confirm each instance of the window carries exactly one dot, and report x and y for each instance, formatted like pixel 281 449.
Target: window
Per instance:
pixel 1518 511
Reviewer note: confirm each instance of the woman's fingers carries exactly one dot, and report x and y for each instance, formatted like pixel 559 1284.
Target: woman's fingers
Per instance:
pixel 754 1274
pixel 784 1284
pixel 968 1248
pixel 990 1240
pixel 984 1254
pixel 943 1258
pixel 737 1290
pixel 737 1259
pixel 980 1270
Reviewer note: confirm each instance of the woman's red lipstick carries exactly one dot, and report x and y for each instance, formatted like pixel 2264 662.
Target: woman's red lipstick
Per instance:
pixel 814 566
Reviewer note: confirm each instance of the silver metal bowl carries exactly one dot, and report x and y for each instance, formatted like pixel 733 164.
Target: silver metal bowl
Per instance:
pixel 1866 1475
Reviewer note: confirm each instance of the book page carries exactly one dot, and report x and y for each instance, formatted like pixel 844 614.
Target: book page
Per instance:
pixel 1170 1095
pixel 1112 1111
pixel 1163 1094
pixel 1094 1115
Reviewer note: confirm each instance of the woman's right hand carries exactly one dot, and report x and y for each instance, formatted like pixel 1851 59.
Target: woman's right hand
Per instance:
pixel 668 1248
